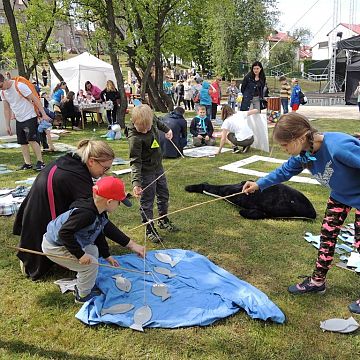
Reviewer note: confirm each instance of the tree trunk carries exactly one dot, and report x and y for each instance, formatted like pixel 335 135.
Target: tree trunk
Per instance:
pixel 114 59
pixel 15 37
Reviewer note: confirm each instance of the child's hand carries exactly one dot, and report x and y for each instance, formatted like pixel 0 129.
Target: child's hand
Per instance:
pixel 169 135
pixel 112 261
pixel 137 191
pixel 136 248
pixel 250 187
pixel 207 138
pixel 199 137
pixel 86 259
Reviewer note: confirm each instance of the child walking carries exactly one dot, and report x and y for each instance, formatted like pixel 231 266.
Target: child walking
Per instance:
pixel 295 95
pixel 334 160
pixel 147 172
pixel 79 234
pixel 285 94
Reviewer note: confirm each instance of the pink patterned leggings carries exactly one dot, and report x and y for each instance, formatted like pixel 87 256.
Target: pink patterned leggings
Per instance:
pixel 334 218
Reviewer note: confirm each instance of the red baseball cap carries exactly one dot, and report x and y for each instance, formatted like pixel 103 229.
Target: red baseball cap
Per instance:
pixel 110 187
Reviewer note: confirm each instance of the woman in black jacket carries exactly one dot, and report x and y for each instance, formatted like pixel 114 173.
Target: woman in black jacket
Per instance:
pixel 253 87
pixel 71 180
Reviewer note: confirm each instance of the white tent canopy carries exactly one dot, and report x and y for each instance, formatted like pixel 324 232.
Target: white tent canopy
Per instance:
pixel 79 69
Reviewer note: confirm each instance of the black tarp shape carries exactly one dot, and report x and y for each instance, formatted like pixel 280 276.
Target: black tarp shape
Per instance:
pixel 352 43
pixel 352 81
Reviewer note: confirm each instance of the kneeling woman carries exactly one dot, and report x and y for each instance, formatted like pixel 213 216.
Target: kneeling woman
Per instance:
pixel 236 129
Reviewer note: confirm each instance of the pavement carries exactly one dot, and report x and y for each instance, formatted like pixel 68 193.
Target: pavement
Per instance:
pixel 331 112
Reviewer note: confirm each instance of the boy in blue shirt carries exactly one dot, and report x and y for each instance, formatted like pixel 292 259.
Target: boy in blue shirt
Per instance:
pixel 79 234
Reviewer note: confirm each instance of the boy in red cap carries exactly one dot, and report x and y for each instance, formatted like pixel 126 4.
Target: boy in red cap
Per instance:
pixel 79 234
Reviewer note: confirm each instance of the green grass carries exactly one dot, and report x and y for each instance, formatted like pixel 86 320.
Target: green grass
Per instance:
pixel 37 322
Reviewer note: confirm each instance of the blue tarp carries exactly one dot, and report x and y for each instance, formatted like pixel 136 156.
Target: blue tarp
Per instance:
pixel 201 293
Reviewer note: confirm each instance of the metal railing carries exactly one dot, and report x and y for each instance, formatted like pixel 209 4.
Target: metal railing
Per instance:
pixel 314 77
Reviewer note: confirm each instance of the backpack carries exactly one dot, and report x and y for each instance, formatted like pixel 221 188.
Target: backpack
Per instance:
pixel 302 98
pixel 31 87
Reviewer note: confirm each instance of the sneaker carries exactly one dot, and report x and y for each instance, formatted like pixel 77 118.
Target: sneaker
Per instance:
pixel 354 307
pixel 83 299
pixel 235 150
pixel 26 167
pixel 306 287
pixel 245 149
pixel 152 234
pixel 39 166
pixel 166 224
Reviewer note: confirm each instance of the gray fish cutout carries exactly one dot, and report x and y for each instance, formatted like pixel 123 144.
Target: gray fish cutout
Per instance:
pixel 122 283
pixel 339 325
pixel 165 258
pixel 141 316
pixel 160 290
pixel 164 271
pixel 117 309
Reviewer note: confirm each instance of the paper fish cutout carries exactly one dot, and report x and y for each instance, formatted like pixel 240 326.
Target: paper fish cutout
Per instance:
pixel 340 325
pixel 117 309
pixel 160 290
pixel 165 258
pixel 122 283
pixel 141 316
pixel 164 271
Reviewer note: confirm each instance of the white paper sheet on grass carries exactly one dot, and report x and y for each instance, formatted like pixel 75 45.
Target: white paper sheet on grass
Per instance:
pixel 203 151
pixel 239 168
pixel 258 124
pixel 121 172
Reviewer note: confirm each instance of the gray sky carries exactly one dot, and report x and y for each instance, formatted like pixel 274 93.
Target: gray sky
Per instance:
pixel 319 19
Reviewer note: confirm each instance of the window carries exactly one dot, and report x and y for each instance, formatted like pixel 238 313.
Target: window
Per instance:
pixel 2 20
pixel 323 45
pixel 77 40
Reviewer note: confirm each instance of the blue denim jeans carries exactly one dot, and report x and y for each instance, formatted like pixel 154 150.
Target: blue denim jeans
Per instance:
pixel 285 105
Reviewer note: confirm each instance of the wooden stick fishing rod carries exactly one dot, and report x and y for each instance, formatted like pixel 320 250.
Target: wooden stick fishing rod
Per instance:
pixel 187 208
pixel 70 259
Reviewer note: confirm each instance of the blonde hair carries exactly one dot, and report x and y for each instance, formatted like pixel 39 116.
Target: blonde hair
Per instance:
pixel 142 115
pixel 97 149
pixel 110 86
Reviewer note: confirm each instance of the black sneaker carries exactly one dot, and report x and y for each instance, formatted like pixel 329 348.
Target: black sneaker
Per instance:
pixel 166 224
pixel 39 166
pixel 307 287
pixel 152 234
pixel 26 167
pixel 235 150
pixel 245 149
pixel 83 299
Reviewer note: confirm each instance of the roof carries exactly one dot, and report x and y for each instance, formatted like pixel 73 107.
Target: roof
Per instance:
pixel 305 52
pixel 353 27
pixel 84 60
pixel 279 36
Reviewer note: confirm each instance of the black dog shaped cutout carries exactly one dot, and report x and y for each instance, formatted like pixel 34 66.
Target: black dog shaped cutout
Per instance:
pixel 278 201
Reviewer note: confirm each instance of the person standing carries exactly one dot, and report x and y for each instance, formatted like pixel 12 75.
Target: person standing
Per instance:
pixel 147 173
pixel 188 95
pixel 295 95
pixel 110 93
pixel 44 75
pixel 253 87
pixel 19 102
pixel 215 94
pixel 357 93
pixel 285 93
pixel 232 91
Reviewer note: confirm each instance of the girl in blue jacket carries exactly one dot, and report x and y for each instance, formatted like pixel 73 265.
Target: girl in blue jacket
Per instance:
pixel 334 160
pixel 295 95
